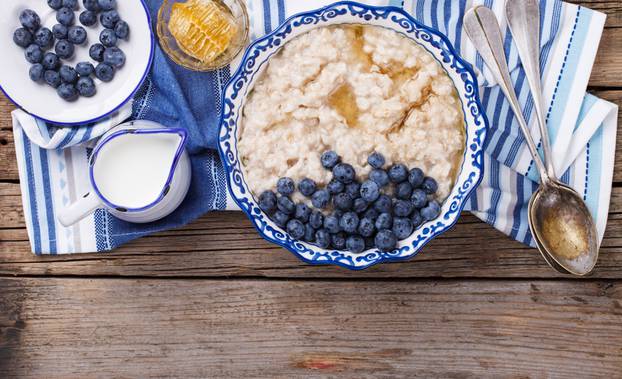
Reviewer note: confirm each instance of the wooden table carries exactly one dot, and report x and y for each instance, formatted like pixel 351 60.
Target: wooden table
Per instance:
pixel 214 300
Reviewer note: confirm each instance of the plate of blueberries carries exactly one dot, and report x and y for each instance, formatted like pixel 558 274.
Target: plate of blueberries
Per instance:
pixel 73 62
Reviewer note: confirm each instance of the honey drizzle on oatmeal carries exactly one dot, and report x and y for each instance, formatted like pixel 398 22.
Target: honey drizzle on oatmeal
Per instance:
pixel 343 100
pixel 358 47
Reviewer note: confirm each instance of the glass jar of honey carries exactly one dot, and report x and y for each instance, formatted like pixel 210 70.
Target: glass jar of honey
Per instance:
pixel 202 35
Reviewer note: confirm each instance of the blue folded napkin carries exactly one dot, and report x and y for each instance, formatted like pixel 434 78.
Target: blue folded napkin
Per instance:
pixel 53 162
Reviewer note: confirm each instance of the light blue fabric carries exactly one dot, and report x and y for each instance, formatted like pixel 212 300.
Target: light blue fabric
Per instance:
pixel 177 97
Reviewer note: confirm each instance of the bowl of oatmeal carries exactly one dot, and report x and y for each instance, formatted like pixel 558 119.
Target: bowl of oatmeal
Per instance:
pixel 356 81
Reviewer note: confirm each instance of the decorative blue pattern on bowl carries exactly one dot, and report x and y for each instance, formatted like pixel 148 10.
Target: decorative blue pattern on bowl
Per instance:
pixel 253 63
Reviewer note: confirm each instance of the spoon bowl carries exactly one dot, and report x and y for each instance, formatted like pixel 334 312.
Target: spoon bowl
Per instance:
pixel 563 227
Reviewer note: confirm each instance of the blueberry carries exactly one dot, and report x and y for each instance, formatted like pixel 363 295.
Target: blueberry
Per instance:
pixel 64 49
pixel 108 38
pixel 331 223
pixel 71 4
pixel 398 173
pixel 338 241
pixel 51 61
pixel 33 53
pixel 109 19
pixel 30 19
pixel 122 30
pixel 353 189
pixel 302 212
pixel 344 173
pixel 338 212
pixel 296 229
pixel 367 227
pixel 285 186
pixel 383 204
pixel 371 214
pixel 416 219
pixel 36 72
pixel 309 233
pixel 369 243
pixel 429 185
pixel 322 238
pixel 359 205
pixel 60 31
pixel 431 211
pixel 86 87
pixel 68 74
pixel 415 177
pixel 329 159
pixel 107 4
pixel 343 201
pixel 379 176
pixel 87 69
pixel 267 199
pixel 88 18
pixel 55 4
pixel 316 219
pixel 384 221
pixel 403 191
pixel 67 92
pixel 280 218
pixel 52 78
pixel 403 208
pixel 22 37
pixel 76 35
pixel 65 16
pixel 370 191
pixel 335 186
pixel 320 199
pixel 96 52
pixel 104 72
pixel 307 187
pixel 402 227
pixel 419 198
pixel 286 205
pixel 349 222
pixel 91 5
pixel 386 240
pixel 376 160
pixel 355 244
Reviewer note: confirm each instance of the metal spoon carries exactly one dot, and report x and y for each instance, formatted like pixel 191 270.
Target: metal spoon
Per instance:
pixel 560 222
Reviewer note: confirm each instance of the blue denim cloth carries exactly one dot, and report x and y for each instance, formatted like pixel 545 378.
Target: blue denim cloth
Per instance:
pixel 177 97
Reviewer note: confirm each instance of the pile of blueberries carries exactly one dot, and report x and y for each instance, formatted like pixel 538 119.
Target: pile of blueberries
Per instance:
pixel 70 82
pixel 362 215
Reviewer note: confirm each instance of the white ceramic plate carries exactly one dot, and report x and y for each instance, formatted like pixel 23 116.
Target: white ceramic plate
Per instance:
pixel 41 100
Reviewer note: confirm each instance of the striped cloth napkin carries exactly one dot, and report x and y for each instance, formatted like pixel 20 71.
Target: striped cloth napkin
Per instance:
pixel 582 128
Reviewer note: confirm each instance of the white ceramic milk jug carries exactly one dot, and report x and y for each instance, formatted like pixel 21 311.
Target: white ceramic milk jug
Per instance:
pixel 139 171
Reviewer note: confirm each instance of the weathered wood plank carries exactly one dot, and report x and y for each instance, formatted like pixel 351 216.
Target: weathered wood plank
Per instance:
pixel 226 244
pixel 608 65
pixel 612 8
pixel 74 328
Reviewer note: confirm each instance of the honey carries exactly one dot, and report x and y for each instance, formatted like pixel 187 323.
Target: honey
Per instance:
pixel 343 100
pixel 203 29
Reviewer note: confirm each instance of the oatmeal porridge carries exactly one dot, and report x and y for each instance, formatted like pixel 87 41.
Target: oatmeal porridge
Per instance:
pixel 354 90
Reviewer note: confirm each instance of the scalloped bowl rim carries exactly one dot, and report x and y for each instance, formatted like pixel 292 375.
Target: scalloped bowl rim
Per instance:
pixel 476 124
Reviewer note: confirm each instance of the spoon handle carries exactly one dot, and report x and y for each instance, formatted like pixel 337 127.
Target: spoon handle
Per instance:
pixel 524 21
pixel 480 24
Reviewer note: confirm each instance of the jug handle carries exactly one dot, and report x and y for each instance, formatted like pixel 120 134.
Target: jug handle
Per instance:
pixel 80 209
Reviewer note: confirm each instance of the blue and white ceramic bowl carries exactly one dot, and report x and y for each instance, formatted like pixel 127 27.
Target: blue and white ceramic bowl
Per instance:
pixel 254 62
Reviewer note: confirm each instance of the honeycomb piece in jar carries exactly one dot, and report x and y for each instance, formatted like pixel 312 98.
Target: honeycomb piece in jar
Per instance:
pixel 203 29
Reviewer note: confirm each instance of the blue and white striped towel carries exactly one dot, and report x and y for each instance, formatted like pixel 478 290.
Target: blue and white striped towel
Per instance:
pixel 582 128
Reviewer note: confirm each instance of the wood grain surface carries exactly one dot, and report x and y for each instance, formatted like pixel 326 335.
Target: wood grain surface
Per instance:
pixel 76 328
pixel 212 299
